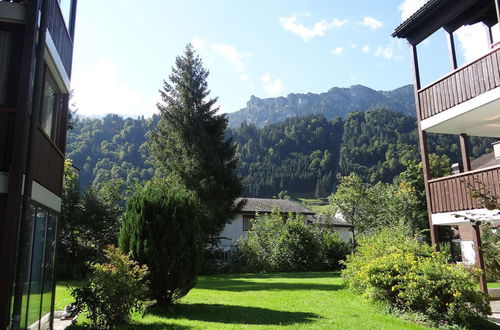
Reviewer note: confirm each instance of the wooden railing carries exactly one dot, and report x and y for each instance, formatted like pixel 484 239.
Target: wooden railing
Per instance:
pixel 60 35
pixel 453 193
pixel 49 163
pixel 461 85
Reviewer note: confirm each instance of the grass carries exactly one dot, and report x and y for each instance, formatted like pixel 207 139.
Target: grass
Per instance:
pixel 492 285
pixel 317 205
pixel 264 301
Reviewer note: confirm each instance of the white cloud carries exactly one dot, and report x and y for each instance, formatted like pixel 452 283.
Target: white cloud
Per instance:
pixel 273 88
pixel 372 23
pixel 231 54
pixel 408 7
pixel 338 51
pixel 386 52
pixel 99 90
pixel 473 41
pixel 199 43
pixel 354 45
pixel 366 49
pixel 293 25
pixel 244 77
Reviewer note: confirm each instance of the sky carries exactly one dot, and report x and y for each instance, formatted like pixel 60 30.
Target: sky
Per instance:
pixel 123 50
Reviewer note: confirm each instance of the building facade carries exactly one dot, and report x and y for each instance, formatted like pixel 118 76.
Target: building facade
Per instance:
pixel 36 47
pixel 241 224
pixel 465 102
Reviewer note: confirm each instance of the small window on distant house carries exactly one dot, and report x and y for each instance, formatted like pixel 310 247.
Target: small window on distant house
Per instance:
pixel 247 224
pixel 51 103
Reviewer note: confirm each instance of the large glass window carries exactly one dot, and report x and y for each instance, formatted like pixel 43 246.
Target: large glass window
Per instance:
pixel 39 266
pixel 36 280
pixel 50 104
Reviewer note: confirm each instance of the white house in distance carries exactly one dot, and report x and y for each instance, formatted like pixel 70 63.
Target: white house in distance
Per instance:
pixel 241 224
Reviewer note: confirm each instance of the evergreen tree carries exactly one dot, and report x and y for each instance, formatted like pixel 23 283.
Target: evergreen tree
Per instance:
pixel 160 229
pixel 189 145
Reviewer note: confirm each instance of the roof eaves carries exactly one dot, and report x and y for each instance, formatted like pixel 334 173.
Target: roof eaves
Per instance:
pixel 417 16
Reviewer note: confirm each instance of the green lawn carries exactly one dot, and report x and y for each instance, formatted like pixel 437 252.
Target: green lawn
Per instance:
pixel 270 301
pixel 492 285
pixel 318 205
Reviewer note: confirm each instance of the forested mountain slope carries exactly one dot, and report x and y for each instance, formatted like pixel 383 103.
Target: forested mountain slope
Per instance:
pixel 301 155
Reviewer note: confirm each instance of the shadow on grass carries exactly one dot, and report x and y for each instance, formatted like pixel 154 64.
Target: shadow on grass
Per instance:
pixel 231 314
pixel 238 285
pixel 134 326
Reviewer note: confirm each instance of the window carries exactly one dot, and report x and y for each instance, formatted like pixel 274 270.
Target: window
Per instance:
pixel 5 49
pixel 39 271
pixel 247 224
pixel 50 106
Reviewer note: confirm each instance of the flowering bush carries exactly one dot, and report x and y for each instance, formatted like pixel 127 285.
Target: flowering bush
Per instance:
pixel 113 291
pixel 410 276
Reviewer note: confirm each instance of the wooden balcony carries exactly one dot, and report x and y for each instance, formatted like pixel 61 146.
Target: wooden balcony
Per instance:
pixel 461 85
pixel 452 193
pixel 60 35
pixel 49 163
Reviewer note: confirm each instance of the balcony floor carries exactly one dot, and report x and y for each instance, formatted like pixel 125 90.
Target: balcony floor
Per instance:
pixel 479 116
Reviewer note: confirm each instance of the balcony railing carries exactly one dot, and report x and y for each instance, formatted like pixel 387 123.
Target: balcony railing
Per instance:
pixel 461 85
pixel 60 35
pixel 49 163
pixel 453 193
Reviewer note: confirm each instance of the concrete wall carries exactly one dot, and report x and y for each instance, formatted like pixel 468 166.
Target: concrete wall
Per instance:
pixel 345 233
pixel 233 231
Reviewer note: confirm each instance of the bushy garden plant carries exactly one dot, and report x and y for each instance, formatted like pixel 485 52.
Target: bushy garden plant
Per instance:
pixel 411 277
pixel 114 289
pixel 334 249
pixel 161 230
pixel 287 244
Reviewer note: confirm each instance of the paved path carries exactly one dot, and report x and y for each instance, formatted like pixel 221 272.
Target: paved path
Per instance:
pixel 495 308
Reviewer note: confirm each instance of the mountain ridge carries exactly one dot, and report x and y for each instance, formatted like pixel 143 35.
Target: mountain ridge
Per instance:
pixel 337 101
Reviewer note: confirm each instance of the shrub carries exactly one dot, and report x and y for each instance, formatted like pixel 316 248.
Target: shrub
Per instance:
pixel 410 276
pixel 276 245
pixel 114 289
pixel 334 250
pixel 161 230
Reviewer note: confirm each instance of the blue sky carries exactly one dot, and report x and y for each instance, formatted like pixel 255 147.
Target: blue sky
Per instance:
pixel 124 49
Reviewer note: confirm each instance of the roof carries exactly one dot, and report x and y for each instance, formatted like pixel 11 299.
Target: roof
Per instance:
pixel 484 161
pixel 266 205
pixel 449 14
pixel 336 220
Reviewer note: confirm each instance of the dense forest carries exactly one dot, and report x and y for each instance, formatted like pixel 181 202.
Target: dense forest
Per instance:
pixel 301 156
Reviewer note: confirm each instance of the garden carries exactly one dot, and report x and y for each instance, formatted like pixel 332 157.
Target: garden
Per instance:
pixel 144 263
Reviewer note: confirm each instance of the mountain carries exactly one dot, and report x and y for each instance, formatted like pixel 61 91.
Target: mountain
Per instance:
pixel 299 156
pixel 337 102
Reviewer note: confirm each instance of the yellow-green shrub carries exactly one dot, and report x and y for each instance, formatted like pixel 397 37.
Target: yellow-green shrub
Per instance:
pixel 410 276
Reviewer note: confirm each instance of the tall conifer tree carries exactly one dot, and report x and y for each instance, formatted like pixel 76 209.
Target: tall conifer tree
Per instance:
pixel 189 145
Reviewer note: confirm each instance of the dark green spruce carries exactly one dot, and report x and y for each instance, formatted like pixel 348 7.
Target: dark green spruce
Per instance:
pixel 189 144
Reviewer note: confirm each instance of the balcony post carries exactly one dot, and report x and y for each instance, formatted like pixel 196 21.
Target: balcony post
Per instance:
pixel 497 5
pixel 422 137
pixel 464 151
pixel 451 49
pixel 478 246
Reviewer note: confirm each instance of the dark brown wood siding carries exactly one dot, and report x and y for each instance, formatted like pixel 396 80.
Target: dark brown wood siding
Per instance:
pixel 453 193
pixel 49 163
pixel 461 85
pixel 6 126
